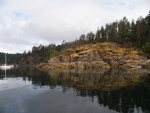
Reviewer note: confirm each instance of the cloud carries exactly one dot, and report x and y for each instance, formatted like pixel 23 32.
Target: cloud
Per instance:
pixel 25 23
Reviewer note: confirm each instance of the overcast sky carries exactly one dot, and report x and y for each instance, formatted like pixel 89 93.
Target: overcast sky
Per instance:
pixel 28 23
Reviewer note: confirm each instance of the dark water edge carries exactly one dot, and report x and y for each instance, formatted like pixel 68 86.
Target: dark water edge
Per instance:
pixel 33 91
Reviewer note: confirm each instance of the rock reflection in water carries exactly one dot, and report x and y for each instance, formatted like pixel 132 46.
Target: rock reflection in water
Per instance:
pixel 122 91
pixel 118 90
pixel 98 79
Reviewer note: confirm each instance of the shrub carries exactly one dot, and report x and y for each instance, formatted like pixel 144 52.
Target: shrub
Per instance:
pixel 146 47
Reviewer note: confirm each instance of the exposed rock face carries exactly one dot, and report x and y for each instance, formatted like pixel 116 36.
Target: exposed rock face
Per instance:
pixel 78 65
pixel 146 65
pixel 97 56
pixel 134 63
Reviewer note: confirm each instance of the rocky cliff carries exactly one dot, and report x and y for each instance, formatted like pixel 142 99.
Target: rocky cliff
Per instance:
pixel 100 55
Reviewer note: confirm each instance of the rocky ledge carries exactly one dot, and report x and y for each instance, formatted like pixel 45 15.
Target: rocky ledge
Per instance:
pixel 75 65
pixel 123 64
pixel 98 56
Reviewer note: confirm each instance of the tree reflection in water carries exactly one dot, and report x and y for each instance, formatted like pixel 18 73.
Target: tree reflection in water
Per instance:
pixel 122 91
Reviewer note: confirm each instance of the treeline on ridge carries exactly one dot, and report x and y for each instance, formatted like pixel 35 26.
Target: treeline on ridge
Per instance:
pixel 128 34
pixel 11 58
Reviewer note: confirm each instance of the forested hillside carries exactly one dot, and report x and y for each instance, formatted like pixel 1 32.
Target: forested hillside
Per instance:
pixel 134 34
pixel 127 34
pixel 11 58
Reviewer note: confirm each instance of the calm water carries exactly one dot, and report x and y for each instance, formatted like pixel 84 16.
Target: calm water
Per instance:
pixel 32 91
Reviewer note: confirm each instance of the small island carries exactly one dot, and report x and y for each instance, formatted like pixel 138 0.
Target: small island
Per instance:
pixel 118 45
pixel 104 55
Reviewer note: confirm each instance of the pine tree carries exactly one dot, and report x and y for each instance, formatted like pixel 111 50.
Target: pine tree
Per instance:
pixel 103 34
pixel 98 35
pixel 82 39
pixel 123 30
pixel 90 37
pixel 132 32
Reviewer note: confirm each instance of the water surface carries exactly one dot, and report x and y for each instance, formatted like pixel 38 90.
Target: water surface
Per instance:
pixel 32 91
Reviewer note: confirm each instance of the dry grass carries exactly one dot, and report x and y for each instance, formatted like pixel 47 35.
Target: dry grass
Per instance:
pixel 106 49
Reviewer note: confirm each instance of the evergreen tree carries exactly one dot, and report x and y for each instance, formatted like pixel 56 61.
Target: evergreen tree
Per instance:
pixel 90 37
pixel 103 34
pixel 141 32
pixel 82 39
pixel 98 35
pixel 123 30
pixel 132 32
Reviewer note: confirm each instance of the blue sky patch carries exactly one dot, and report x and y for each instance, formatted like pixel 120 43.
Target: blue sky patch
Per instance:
pixel 20 15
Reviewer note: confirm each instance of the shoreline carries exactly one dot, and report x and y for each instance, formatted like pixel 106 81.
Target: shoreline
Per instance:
pixel 84 65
